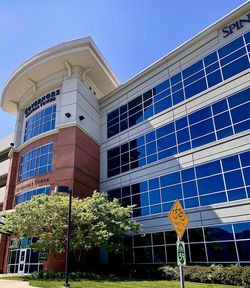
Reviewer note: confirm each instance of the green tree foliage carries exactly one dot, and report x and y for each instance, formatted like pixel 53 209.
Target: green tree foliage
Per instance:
pixel 96 222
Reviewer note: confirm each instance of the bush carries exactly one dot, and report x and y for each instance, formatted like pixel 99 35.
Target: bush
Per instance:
pixel 245 276
pixel 198 274
pixel 169 273
pixel 230 275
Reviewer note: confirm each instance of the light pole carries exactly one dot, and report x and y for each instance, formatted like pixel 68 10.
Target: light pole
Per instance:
pixel 66 189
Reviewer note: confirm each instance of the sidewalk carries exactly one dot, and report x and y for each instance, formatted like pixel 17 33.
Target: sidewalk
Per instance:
pixel 14 284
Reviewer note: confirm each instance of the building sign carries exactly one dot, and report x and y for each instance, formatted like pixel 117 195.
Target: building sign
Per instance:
pixel 178 218
pixel 49 97
pixel 227 30
pixel 33 184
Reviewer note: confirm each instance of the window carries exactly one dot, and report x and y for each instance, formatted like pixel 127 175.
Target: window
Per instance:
pixel 36 162
pixel 40 122
pixel 218 66
pixel 198 128
pixel 26 196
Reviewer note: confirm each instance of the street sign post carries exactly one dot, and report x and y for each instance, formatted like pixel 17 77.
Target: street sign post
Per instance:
pixel 180 222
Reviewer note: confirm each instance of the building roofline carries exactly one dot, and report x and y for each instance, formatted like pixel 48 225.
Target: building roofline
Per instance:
pixel 82 43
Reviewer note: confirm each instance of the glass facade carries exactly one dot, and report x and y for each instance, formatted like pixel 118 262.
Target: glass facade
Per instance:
pixel 229 243
pixel 40 122
pixel 26 196
pixel 218 66
pixel 211 123
pixel 36 162
pixel 23 259
pixel 222 180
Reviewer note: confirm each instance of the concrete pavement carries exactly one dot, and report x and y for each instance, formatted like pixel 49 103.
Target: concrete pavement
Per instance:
pixel 14 284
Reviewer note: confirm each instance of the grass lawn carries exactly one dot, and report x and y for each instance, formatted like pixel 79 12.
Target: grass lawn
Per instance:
pixel 115 283
pixel 124 284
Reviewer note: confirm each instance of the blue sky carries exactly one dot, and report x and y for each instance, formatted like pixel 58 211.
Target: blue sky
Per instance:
pixel 131 34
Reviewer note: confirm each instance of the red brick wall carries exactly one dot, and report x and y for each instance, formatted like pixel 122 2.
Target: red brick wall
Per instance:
pixel 76 163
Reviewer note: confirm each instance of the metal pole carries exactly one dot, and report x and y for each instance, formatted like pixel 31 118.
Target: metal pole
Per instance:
pixel 181 272
pixel 68 242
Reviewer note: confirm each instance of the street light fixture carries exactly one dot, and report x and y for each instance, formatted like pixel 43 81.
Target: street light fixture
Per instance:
pixel 67 190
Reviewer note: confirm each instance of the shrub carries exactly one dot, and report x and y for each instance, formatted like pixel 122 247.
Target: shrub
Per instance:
pixel 245 276
pixel 198 274
pixel 169 273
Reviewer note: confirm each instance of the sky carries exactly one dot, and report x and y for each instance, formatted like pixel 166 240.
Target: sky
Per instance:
pixel 131 34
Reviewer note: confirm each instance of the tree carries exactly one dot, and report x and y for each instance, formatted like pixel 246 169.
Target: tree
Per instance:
pixel 96 222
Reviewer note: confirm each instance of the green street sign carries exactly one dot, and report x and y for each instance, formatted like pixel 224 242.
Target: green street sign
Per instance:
pixel 181 254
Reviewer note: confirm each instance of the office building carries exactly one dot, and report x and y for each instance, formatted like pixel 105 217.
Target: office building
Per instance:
pixel 177 130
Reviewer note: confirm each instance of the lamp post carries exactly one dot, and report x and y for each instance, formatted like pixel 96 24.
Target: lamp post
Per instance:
pixel 67 190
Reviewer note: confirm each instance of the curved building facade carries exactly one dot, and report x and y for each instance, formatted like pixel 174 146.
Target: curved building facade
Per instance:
pixel 177 130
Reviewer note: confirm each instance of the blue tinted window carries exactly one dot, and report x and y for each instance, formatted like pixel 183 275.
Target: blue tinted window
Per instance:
pixel 189 189
pixel 162 86
pixel 171 193
pixel 191 202
pixel 214 78
pixel 170 179
pixel 200 115
pixel 175 79
pixel 208 169
pixel 224 133
pixel 233 56
pixel 165 130
pixel 163 104
pixel 241 113
pixel 155 209
pixel 195 88
pixel 234 179
pixel 184 147
pixel 183 136
pixel 213 68
pixel 202 128
pixel 245 158
pixel 239 98
pixel 178 97
pixel 235 67
pixel 153 183
pixel 211 184
pixel 181 123
pixel 187 174
pixel 150 136
pixel 210 58
pixel 236 194
pixel 154 197
pixel 243 126
pixel 222 120
pixel 247 37
pixel 31 165
pixel 232 46
pixel 242 230
pixel 40 122
pixel 167 153
pixel 26 196
pixel 151 148
pixel 192 69
pixel 166 142
pixel 203 140
pixel 233 60
pixel 246 172
pixel 230 163
pixel 213 199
